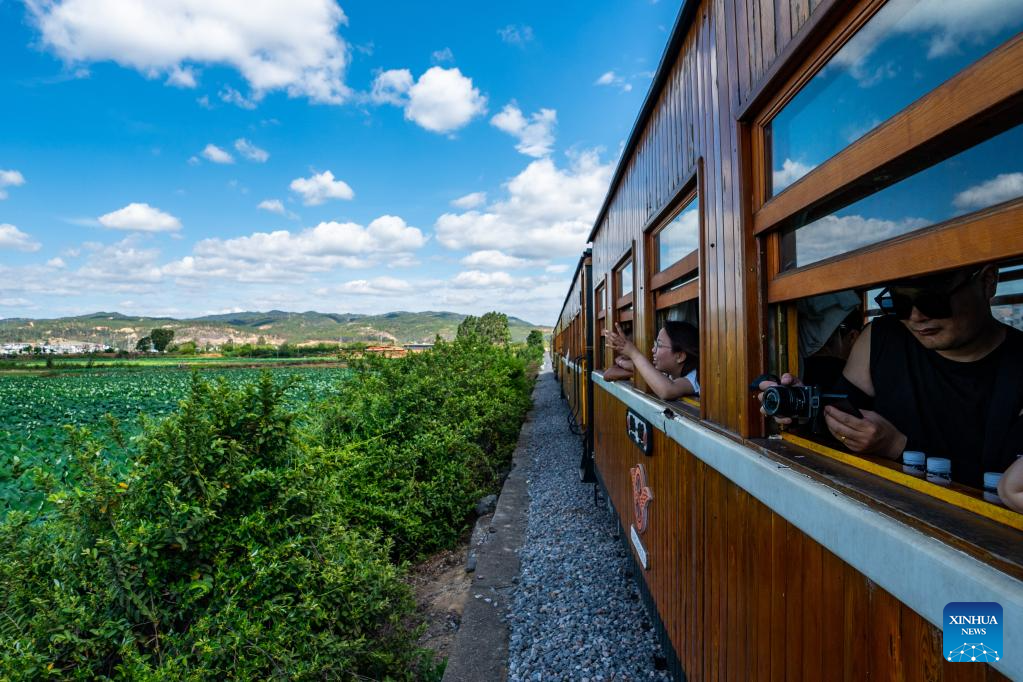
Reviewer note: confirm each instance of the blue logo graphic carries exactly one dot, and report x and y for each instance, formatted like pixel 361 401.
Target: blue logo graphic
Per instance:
pixel 972 632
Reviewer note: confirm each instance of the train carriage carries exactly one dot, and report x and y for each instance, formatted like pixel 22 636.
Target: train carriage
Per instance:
pixel 572 358
pixel 788 152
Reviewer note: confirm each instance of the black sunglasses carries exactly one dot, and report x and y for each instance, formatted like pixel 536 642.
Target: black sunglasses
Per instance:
pixel 933 303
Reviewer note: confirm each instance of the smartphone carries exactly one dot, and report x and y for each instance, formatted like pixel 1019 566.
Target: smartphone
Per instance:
pixel 844 405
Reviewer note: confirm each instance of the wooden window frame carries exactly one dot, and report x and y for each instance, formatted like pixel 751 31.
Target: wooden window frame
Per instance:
pixel 977 103
pixel 687 266
pixel 600 323
pixel 622 301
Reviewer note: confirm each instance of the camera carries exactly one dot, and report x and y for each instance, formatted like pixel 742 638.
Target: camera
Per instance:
pixel 804 404
pixel 801 403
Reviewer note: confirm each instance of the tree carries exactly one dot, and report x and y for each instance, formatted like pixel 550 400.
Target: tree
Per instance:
pixel 468 327
pixel 535 341
pixel 145 344
pixel 492 327
pixel 161 338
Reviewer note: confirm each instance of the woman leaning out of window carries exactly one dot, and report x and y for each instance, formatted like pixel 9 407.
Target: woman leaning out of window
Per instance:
pixel 675 359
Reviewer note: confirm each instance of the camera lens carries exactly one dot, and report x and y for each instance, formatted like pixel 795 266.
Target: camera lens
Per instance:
pixel 773 401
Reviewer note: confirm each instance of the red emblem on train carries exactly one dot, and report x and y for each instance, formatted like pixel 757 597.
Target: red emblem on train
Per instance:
pixel 641 496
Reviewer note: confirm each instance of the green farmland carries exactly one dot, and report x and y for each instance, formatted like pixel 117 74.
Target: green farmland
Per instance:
pixel 35 408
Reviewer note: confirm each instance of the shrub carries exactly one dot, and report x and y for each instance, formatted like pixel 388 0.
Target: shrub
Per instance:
pixel 424 436
pixel 223 552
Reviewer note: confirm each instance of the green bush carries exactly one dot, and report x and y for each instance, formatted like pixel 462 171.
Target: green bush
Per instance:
pixel 238 540
pixel 222 553
pixel 424 437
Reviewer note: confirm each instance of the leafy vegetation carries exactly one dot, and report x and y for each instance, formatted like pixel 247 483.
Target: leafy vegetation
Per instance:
pixel 242 538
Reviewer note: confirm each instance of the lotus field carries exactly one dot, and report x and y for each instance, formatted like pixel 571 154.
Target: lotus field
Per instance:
pixel 36 408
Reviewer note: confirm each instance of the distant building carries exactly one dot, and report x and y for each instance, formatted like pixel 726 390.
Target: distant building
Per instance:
pixel 417 347
pixel 388 351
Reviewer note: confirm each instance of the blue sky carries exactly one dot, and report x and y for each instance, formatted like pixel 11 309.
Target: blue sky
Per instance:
pixel 192 157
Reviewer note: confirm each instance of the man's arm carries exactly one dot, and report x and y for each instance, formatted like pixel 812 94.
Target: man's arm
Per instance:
pixel 1010 487
pixel 872 435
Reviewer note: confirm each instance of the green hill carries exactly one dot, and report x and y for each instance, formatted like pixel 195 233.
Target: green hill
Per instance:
pixel 274 327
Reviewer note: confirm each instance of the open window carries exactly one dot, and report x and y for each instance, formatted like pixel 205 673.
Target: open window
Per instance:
pixel 600 323
pixel 893 152
pixel 624 284
pixel 673 263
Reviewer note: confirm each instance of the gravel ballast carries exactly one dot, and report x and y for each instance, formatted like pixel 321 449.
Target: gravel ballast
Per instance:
pixel 576 613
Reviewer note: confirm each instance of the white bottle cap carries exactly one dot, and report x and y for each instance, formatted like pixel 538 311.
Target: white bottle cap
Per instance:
pixel 991 479
pixel 939 465
pixel 914 458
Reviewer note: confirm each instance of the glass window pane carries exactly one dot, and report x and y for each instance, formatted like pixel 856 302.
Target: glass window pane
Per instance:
pixel 625 279
pixel 982 176
pixel 906 50
pixel 680 238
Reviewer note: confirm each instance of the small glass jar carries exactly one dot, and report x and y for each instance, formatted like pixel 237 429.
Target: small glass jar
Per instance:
pixel 991 479
pixel 914 462
pixel 939 470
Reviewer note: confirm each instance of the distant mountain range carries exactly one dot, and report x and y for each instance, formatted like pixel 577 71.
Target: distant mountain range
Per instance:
pixel 274 327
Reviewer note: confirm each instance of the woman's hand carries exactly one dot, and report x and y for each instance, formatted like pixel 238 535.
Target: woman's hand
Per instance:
pixel 619 342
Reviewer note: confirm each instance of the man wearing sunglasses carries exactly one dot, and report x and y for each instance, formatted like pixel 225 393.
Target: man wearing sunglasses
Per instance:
pixel 937 373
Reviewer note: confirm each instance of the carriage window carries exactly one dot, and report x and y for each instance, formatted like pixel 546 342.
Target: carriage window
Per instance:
pixel 675 245
pixel 907 49
pixel 625 279
pixel 987 174
pixel 680 237
pixel 599 324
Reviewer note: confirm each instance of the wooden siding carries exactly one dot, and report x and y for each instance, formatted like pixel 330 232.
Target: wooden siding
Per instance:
pixel 729 48
pixel 743 594
pixel 568 342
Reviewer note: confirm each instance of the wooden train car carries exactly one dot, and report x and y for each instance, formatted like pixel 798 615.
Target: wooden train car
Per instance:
pixel 572 358
pixel 790 155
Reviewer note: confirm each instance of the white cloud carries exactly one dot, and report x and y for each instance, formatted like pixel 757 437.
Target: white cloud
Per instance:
pixel 216 154
pixel 10 178
pixel 291 46
pixel 549 211
pixel 56 263
pixel 391 87
pixel 516 35
pixel 251 151
pixel 232 96
pixel 378 286
pixel 140 218
pixel 272 205
pixel 182 77
pixel 535 136
pixel 789 172
pixel 317 247
pixel 320 187
pixel 950 24
pixel 443 100
pixel 1000 188
pixel 554 269
pixel 492 259
pixel 475 279
pixel 13 238
pixel 474 200
pixel 833 235
pixel 445 55
pixel 290 256
pixel 610 78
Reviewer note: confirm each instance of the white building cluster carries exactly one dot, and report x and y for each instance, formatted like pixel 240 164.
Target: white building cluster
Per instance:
pixel 70 348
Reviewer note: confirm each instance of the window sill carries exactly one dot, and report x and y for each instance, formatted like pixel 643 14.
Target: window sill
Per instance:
pixel 961 496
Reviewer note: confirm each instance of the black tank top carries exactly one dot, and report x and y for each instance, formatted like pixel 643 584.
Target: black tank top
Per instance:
pixel 941 405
